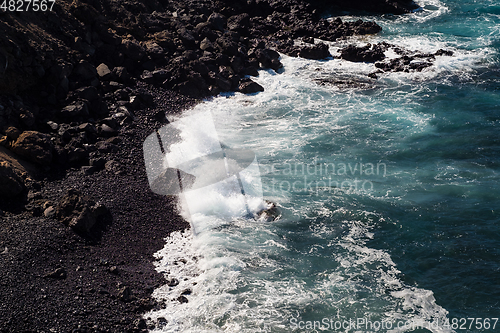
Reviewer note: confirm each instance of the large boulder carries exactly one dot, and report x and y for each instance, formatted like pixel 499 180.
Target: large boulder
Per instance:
pixel 317 52
pixel 34 146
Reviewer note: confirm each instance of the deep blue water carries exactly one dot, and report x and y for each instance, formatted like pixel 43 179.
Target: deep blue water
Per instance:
pixel 390 193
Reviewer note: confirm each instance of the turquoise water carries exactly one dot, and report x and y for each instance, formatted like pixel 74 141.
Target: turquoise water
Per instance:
pixel 390 194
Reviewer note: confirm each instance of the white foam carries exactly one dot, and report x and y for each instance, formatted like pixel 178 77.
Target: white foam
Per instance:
pixel 248 276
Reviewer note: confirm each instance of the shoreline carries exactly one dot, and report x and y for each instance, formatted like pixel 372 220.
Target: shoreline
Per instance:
pixel 108 276
pixel 99 277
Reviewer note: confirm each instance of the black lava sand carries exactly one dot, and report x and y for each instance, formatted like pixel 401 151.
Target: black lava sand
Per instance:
pixel 92 294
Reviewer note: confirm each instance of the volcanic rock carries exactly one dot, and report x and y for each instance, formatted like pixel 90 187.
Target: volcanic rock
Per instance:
pixel 367 53
pixel 250 87
pixel 316 52
pixel 35 146
pixel 79 212
pixel 10 183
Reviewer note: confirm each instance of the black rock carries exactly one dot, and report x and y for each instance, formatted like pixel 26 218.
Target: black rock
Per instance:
pixel 317 52
pixel 217 21
pixel 182 299
pixel 85 70
pixel 79 212
pixel 367 53
pixel 76 109
pixel 250 87
pixel 88 93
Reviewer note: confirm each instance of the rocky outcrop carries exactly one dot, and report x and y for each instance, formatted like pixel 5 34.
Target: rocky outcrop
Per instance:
pixel 34 146
pixel 316 52
pixel 406 61
pixel 79 212
pixel 368 53
pixel 381 6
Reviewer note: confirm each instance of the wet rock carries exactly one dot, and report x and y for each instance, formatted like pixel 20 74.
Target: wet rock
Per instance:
pixel 79 212
pixel 162 322
pixel 140 324
pixel 365 28
pixel 35 146
pixel 182 299
pixel 442 52
pixel 187 292
pixel 317 52
pixel 392 7
pixel 173 282
pixel 223 84
pixel 268 58
pixel 250 87
pixel 367 53
pixel 270 213
pixel 11 184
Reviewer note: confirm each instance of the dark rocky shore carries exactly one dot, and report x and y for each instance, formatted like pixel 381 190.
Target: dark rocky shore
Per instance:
pixel 81 87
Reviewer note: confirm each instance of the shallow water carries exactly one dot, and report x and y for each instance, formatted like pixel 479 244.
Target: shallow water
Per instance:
pixel 389 193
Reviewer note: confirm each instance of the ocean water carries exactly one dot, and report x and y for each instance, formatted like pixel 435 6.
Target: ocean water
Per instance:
pixel 389 192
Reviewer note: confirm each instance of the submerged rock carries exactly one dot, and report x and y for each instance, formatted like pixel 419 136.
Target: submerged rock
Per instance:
pixel 271 213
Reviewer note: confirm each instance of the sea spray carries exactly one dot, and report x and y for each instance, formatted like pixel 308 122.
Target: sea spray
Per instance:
pixel 384 258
